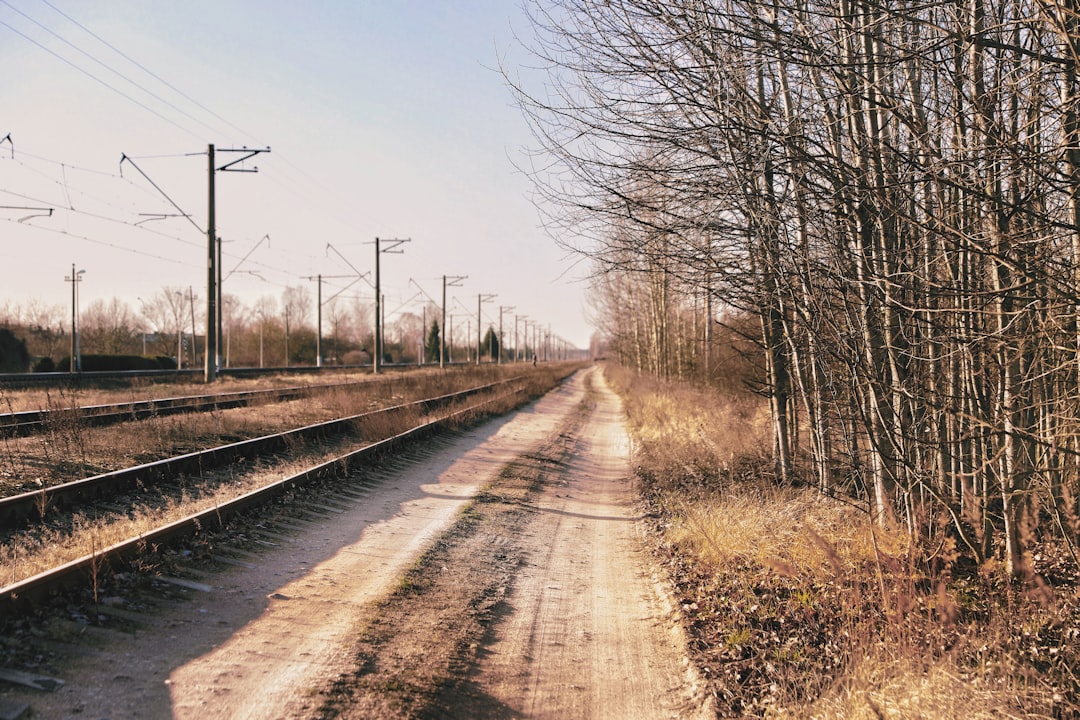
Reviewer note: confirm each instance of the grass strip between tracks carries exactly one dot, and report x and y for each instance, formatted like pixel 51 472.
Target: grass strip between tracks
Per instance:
pixel 30 590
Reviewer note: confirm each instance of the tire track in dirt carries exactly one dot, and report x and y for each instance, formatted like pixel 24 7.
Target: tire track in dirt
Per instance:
pixel 561 618
pixel 590 633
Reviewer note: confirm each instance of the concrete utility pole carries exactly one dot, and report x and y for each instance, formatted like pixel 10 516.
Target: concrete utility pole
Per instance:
pixel 213 271
pixel 390 248
pixel 480 300
pixel 210 367
pixel 447 281
pixel 75 278
pixel 319 305
pixel 194 343
pixel 178 315
pixel 517 345
pixel 502 308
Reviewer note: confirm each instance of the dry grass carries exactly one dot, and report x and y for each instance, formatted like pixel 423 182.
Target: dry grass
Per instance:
pixel 68 449
pixel 86 392
pixel 798 606
pixel 44 546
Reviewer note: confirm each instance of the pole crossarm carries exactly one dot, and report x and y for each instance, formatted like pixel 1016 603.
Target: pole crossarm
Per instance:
pixel 249 253
pixel 382 246
pixel 250 153
pixel 394 243
pixel 422 291
pixel 333 277
pixel 37 211
pixel 359 275
pixel 447 281
pixel 125 158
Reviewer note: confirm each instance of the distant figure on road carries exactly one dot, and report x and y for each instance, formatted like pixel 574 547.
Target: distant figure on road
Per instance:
pixel 534 359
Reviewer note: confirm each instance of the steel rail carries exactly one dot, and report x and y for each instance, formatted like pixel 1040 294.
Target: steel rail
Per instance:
pixel 30 421
pixel 29 379
pixel 17 510
pixel 29 591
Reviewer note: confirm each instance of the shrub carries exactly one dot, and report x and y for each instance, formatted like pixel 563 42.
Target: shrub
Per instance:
pixel 44 364
pixel 14 357
pixel 120 363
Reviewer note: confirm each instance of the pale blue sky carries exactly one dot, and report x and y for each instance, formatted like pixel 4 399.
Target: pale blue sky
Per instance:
pixel 384 118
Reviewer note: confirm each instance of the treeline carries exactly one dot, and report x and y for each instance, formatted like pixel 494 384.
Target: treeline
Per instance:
pixel 271 332
pixel 891 189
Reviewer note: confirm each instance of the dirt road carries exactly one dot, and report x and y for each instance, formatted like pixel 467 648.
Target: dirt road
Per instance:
pixel 537 601
pixel 589 633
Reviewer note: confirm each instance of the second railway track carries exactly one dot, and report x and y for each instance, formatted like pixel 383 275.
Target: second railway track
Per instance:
pixel 31 421
pixel 111 490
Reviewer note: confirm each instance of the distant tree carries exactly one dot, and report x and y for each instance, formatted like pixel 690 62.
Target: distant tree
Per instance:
pixel 408 331
pixel 110 327
pixel 431 345
pixel 166 314
pixel 362 323
pixel 14 357
pixel 302 346
pixel 337 318
pixel 45 364
pixel 296 309
pixel 44 327
pixel 489 346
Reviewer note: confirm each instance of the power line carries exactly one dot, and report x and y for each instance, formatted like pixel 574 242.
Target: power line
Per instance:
pixel 98 80
pixel 104 243
pixel 105 218
pixel 113 70
pixel 179 209
pixel 142 67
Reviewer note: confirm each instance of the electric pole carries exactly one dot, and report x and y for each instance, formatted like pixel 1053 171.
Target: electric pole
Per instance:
pixel 74 279
pixel 213 272
pixel 319 304
pixel 447 281
pixel 480 300
pixel 502 308
pixel 390 248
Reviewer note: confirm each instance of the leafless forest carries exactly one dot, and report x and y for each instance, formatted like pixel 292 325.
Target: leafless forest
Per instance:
pixel 890 191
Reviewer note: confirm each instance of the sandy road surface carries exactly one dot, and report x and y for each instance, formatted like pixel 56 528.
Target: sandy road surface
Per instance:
pixel 590 634
pixel 585 633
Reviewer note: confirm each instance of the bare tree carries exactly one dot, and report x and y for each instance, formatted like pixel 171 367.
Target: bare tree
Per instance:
pixel 109 326
pixel 892 189
pixel 166 313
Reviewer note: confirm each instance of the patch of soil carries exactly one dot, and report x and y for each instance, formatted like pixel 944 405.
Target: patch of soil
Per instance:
pixel 415 657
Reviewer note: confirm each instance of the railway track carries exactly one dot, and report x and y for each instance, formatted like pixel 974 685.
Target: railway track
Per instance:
pixel 32 421
pixel 116 489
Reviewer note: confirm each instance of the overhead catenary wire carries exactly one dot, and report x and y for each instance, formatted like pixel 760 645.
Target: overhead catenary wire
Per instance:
pixel 305 178
pixel 145 69
pixel 295 176
pixel 139 223
pixel 113 70
pixel 105 243
pixel 96 79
